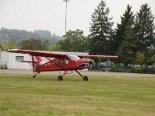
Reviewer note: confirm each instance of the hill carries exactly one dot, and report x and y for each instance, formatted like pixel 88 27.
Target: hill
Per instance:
pixel 19 35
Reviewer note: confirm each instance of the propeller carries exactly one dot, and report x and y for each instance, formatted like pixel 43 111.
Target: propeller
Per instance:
pixel 86 65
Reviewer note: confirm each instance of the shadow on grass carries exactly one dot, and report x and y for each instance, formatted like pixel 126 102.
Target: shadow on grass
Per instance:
pixel 55 78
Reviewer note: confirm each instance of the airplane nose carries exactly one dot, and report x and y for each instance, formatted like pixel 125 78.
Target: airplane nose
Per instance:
pixel 86 63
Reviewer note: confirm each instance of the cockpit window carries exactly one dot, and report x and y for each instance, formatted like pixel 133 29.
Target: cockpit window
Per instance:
pixel 73 57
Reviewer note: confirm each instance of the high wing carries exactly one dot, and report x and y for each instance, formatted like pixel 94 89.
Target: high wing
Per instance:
pixel 38 53
pixel 51 54
pixel 100 56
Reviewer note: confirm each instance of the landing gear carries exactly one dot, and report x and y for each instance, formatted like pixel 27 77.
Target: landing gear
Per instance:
pixel 34 76
pixel 85 78
pixel 60 78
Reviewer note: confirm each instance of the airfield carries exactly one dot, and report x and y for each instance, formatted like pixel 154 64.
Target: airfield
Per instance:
pixel 105 94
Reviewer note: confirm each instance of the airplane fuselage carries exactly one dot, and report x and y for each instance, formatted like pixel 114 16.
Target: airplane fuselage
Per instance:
pixel 57 64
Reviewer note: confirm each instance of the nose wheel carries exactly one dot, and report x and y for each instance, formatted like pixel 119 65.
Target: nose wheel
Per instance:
pixel 85 78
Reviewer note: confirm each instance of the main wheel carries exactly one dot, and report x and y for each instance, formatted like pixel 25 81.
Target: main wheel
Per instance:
pixel 85 78
pixel 60 78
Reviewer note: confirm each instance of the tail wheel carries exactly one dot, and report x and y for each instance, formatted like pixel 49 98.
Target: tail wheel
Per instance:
pixel 60 78
pixel 34 76
pixel 85 78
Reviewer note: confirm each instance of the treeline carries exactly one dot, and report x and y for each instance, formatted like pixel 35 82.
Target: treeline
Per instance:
pixel 133 40
pixel 10 38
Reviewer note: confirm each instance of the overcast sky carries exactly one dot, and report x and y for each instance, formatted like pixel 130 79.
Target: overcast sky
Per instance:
pixel 50 14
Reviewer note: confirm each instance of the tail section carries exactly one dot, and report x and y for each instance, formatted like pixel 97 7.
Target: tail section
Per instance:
pixel 35 63
pixel 36 59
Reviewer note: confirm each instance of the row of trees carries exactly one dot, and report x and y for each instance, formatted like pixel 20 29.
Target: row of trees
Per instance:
pixel 134 36
pixel 133 40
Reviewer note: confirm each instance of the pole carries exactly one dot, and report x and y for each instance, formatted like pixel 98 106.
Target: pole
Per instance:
pixel 66 18
pixel 66 15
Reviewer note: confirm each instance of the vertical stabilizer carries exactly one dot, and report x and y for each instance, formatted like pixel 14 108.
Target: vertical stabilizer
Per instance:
pixel 35 62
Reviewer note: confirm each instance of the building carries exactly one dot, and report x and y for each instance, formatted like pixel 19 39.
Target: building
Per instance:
pixel 13 60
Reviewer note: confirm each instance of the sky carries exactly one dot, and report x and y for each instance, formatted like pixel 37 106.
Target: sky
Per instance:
pixel 49 15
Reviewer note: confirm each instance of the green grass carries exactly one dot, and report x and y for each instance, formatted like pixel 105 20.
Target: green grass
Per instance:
pixel 21 95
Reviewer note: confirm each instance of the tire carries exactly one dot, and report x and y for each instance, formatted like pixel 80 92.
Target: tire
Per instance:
pixel 34 76
pixel 60 78
pixel 85 78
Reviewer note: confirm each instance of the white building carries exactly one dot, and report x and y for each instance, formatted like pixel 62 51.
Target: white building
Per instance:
pixel 12 60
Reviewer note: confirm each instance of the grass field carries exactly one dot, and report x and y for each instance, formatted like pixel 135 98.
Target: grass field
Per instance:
pixel 105 94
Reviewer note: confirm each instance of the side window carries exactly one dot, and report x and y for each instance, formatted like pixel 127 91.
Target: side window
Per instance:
pixel 61 61
pixel 57 61
pixel 66 61
pixel 52 62
pixel 19 58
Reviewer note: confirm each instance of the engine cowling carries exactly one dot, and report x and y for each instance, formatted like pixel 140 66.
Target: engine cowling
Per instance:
pixel 86 63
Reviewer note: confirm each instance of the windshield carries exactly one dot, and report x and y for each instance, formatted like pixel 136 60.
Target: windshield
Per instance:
pixel 73 57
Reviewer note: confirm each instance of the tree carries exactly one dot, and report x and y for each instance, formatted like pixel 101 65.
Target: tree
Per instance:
pixel 149 55
pixel 9 45
pixel 140 58
pixel 74 41
pixel 153 59
pixel 144 27
pixel 0 46
pixel 58 45
pixel 128 47
pixel 35 44
pixel 101 29
pixel 120 30
pixel 125 37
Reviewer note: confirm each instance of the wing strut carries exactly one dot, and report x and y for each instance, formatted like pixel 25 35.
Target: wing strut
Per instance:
pixel 35 74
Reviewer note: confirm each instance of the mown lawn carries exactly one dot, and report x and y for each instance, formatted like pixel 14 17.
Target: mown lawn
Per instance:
pixel 21 95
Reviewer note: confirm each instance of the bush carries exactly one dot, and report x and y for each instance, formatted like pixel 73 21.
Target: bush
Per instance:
pixel 150 70
pixel 115 67
pixel 138 70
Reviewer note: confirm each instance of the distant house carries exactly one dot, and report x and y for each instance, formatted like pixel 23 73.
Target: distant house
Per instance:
pixel 12 60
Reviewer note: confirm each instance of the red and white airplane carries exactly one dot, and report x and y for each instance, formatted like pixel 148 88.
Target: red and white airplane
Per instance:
pixel 59 62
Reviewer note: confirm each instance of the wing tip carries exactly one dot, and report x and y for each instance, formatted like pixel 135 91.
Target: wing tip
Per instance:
pixel 12 50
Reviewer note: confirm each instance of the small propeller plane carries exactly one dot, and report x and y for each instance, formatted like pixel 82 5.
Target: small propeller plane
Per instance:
pixel 59 62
